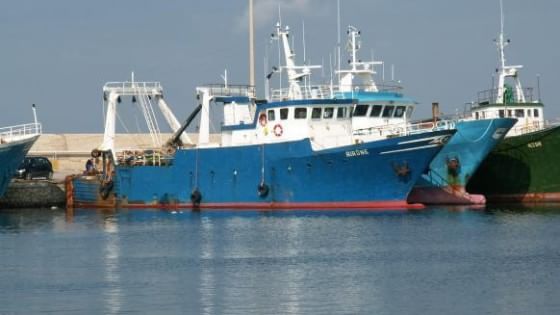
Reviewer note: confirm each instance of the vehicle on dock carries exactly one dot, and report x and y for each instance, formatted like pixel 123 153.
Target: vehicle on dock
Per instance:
pixel 524 166
pixel 15 142
pixel 35 167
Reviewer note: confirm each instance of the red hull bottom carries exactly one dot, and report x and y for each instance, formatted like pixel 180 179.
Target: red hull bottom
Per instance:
pixel 327 206
pixel 444 196
pixel 551 197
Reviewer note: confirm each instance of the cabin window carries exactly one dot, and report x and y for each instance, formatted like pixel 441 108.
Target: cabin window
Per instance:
pixel 360 110
pixel 501 113
pixel 509 113
pixel 271 115
pixel 519 113
pixel 328 113
pixel 341 112
pixel 409 110
pixel 283 113
pixel 535 112
pixel 399 112
pixel 476 116
pixel 388 111
pixel 529 113
pixel 300 113
pixel 375 110
pixel 316 113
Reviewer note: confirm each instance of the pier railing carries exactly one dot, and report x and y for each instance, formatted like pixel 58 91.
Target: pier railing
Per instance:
pixel 12 133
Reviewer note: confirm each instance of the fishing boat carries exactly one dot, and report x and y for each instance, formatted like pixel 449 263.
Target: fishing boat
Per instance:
pixel 523 167
pixel 384 111
pixel 293 154
pixel 15 142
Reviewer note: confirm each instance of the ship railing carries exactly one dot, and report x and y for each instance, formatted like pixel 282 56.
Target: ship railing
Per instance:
pixel 231 90
pixel 403 129
pixel 490 96
pixel 526 128
pixel 16 132
pixel 133 88
pixel 326 91
pixel 147 157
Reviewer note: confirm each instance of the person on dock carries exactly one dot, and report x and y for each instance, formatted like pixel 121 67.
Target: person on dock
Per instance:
pixel 89 167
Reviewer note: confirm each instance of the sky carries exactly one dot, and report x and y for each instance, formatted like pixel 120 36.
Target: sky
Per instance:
pixel 58 54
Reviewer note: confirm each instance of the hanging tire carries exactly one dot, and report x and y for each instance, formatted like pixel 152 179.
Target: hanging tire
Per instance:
pixel 262 190
pixel 196 198
pixel 105 189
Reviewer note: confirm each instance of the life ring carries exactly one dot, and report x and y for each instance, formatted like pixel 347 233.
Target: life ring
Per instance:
pixel 278 130
pixel 262 119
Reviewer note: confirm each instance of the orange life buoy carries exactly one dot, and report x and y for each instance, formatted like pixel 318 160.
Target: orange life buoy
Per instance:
pixel 262 119
pixel 278 130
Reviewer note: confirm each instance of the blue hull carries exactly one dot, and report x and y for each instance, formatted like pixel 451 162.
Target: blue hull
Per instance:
pixel 11 155
pixel 368 175
pixel 453 166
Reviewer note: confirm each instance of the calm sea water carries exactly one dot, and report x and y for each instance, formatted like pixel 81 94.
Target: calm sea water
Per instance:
pixel 432 261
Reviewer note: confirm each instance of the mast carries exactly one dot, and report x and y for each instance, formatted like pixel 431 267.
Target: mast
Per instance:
pixel 251 46
pixel 506 71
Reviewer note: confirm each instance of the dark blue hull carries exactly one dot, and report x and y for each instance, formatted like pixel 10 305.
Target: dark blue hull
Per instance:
pixel 375 174
pixel 11 155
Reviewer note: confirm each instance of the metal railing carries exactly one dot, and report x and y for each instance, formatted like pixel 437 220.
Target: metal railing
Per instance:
pixel 490 96
pixel 401 129
pixel 323 91
pixel 133 88
pixel 231 90
pixel 20 131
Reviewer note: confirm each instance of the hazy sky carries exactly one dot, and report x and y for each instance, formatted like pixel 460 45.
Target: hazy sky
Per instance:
pixel 59 53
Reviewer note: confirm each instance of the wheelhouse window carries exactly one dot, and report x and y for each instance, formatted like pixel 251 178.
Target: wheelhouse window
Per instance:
pixel 529 113
pixel 376 110
pixel 409 110
pixel 519 113
pixel 316 113
pixel 535 112
pixel 360 110
pixel 284 113
pixel 341 112
pixel 300 113
pixel 399 112
pixel 328 113
pixel 271 116
pixel 388 111
pixel 501 113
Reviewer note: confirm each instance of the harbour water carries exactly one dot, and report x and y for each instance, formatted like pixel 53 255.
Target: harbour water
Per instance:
pixel 441 260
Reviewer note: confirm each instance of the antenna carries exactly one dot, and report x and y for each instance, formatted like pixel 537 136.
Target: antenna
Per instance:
pixel 251 46
pixel 34 113
pixel 303 39
pixel 338 35
pixel 224 77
